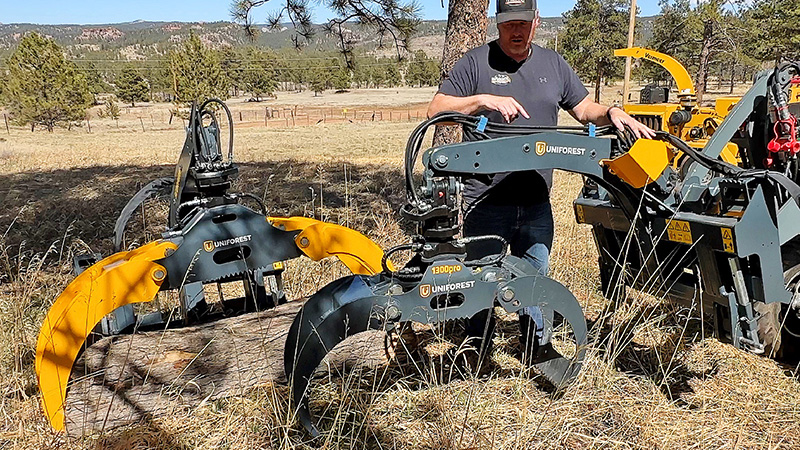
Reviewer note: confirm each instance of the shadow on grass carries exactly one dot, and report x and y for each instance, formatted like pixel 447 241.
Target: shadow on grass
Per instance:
pixel 659 355
pixel 40 208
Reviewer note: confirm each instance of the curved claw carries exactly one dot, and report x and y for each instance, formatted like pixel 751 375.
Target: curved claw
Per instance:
pixel 341 309
pixel 120 279
pixel 551 296
pixel 158 187
pixel 318 240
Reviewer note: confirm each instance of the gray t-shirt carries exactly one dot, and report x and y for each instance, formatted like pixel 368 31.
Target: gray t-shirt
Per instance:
pixel 542 84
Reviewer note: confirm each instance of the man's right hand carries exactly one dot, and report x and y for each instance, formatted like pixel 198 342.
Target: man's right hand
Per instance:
pixel 506 106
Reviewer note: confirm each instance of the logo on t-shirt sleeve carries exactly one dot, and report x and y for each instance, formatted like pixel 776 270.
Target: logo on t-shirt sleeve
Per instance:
pixel 501 79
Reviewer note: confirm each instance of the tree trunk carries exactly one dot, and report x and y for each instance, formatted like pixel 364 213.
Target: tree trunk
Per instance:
pixel 467 22
pixel 733 76
pixel 123 380
pixel 597 84
pixel 701 80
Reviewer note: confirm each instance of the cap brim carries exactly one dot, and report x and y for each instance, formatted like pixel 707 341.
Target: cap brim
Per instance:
pixel 526 16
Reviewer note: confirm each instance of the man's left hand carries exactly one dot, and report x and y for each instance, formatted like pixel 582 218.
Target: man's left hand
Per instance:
pixel 620 118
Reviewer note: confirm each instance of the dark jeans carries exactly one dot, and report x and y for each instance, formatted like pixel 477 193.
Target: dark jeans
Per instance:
pixel 529 232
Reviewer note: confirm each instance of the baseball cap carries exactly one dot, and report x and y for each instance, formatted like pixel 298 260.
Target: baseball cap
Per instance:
pixel 508 10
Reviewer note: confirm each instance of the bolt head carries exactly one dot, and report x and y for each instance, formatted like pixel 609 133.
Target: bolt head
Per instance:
pixel 304 242
pixel 441 160
pixel 159 274
pixel 507 294
pixel 392 312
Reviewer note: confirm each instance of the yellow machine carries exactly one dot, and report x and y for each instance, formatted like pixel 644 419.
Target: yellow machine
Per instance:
pixel 684 119
pixel 212 239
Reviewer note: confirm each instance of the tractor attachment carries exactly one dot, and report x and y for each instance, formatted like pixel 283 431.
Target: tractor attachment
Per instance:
pixel 212 238
pixel 719 237
pixel 712 230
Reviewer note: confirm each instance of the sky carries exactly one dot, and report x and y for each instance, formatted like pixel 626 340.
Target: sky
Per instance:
pixel 105 11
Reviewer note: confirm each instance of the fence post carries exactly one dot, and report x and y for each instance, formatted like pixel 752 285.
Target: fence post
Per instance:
pixel 5 116
pixel 142 122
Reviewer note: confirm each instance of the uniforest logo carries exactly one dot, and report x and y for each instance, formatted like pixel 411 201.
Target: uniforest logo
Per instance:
pixel 426 290
pixel 210 246
pixel 542 148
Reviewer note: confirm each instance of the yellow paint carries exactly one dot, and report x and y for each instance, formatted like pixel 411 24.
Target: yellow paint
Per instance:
pixel 321 240
pixel 727 240
pixel 277 265
pixel 121 279
pixel 447 268
pixel 580 214
pixel 794 94
pixel 724 105
pixel 687 101
pixel 541 148
pixel 676 69
pixel 643 164
pixel 679 231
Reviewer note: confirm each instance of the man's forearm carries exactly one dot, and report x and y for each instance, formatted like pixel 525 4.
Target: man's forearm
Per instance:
pixel 595 113
pixel 442 102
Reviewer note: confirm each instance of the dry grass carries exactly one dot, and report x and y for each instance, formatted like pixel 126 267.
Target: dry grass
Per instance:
pixel 649 382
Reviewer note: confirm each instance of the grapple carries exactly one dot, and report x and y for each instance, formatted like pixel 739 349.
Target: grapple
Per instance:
pixel 211 238
pixel 448 290
pixel 438 284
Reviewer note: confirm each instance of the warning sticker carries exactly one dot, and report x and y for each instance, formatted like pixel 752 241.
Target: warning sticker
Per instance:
pixel 727 240
pixel 579 213
pixel 679 231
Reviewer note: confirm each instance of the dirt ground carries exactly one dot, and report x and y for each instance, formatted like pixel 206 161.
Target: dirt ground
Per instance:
pixel 659 385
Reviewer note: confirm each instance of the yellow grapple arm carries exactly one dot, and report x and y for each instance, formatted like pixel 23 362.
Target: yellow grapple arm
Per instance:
pixel 133 277
pixel 319 240
pixel 120 279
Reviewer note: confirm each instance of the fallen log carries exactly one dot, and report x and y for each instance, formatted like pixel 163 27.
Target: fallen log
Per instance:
pixel 129 379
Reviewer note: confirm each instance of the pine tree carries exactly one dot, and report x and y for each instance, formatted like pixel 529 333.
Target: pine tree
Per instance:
pixel 232 64
pixel 196 73
pixel 257 73
pixel 592 30
pixel 701 37
pixel 393 77
pixel 777 30
pixel 43 88
pixel 320 79
pixel 340 79
pixel 389 19
pixel 132 87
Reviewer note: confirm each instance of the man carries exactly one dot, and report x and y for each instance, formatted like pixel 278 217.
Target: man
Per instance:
pixel 512 80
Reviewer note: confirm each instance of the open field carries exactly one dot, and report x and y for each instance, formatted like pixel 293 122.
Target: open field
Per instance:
pixel 649 382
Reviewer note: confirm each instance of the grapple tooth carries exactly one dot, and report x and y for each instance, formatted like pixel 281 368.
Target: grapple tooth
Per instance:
pixel 550 296
pixel 341 309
